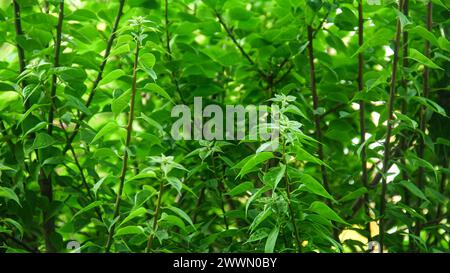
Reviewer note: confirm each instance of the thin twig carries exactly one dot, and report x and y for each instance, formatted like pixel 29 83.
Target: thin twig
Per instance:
pixel 127 146
pixel 422 113
pixel 362 111
pixel 320 25
pixel 404 81
pixel 156 217
pixel 288 194
pixel 55 65
pixel 221 190
pixel 109 44
pixel 169 50
pixel 426 92
pixel 317 118
pixel 80 169
pixel 19 32
pixel 236 43
pixel 390 111
pixel 45 181
pixel 19 243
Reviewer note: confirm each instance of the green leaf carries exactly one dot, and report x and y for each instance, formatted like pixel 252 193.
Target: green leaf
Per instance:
pixel 303 155
pixel 16 224
pixel 435 195
pixel 241 188
pixel 240 14
pixel 419 57
pixel 274 176
pixel 133 214
pixel 54 160
pixel 315 5
pixel 271 240
pixel 182 214
pixel 111 76
pixel 98 184
pixel 3 167
pixel 263 215
pixel 175 183
pixel 153 87
pixel 440 3
pixel 403 19
pixel 409 121
pixel 37 127
pixel 380 37
pixel 173 220
pixel 444 43
pixel 129 230
pixel 8 98
pixel 120 103
pixel 433 106
pixel 413 189
pixel 9 194
pixel 42 140
pixel 354 194
pixel 71 75
pixel 314 186
pixel 346 20
pixel 147 60
pixel 125 48
pixel 151 122
pixel 323 210
pixel 254 161
pixel 411 211
pixel 108 128
pixel 256 195
pixel 87 208
pixel 425 34
pixel 77 103
pixel 143 175
pixel 258 235
pixel 443 141
pixel 28 112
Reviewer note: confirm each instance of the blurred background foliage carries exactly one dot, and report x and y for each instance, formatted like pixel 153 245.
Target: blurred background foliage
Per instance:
pixel 68 71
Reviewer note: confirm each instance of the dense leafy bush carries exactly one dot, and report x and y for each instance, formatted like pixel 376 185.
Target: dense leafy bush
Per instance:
pixel 86 94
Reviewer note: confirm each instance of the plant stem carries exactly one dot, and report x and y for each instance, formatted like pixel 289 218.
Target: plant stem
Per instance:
pixel 236 43
pixel 155 219
pixel 45 182
pixel 442 185
pixel 362 111
pixel 390 111
pixel 317 118
pixel 422 114
pixel 221 190
pixel 55 64
pixel 19 32
pixel 80 169
pixel 18 242
pixel 169 50
pixel 200 199
pixel 127 145
pixel 21 56
pixel 112 36
pixel 288 194
pixel 405 64
pixel 404 110
pixel 426 92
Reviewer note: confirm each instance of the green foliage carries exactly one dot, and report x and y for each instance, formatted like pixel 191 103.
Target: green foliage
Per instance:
pixel 95 162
